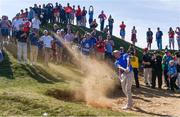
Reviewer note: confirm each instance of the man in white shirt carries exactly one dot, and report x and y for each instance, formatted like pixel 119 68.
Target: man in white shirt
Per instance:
pixel 36 23
pixel 47 42
pixel 16 23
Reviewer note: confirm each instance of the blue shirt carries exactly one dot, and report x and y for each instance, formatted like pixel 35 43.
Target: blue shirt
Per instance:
pixel 91 13
pixel 159 35
pixel 172 70
pixel 122 61
pixel 33 39
pixel 109 47
pixel 86 46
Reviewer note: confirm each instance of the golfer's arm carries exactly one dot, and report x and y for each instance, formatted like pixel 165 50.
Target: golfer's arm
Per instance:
pixel 121 68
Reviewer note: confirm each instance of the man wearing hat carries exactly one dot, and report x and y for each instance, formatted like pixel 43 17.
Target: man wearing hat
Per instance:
pixel 123 65
pixel 147 67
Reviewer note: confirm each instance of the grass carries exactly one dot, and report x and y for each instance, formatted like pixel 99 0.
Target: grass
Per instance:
pixel 28 91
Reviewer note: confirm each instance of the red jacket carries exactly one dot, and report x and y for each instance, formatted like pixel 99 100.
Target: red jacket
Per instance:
pixel 171 34
pixel 100 46
pixel 78 12
pixel 68 9
pixel 122 26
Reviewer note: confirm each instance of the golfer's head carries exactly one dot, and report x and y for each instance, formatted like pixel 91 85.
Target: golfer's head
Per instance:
pixel 116 54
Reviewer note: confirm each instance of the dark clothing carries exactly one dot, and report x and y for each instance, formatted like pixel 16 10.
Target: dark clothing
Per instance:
pixel 157 71
pixel 21 37
pixel 135 70
pixel 173 83
pixel 147 58
pixel 33 39
pixel 178 68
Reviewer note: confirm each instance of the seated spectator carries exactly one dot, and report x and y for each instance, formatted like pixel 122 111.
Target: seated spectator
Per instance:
pixel 47 42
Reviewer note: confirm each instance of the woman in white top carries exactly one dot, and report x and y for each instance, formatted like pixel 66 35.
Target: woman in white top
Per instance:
pixel 36 23
pixel 133 35
pixel 47 43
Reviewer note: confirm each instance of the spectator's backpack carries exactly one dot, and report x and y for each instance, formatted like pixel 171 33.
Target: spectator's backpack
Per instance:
pixel 1 56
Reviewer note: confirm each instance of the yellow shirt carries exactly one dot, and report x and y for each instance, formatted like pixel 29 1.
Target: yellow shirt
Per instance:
pixel 135 62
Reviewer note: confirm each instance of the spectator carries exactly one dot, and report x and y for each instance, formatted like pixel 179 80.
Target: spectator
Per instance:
pixel 159 35
pixel 22 14
pixel 122 63
pixel 55 28
pixel 26 13
pixel 156 69
pixel 147 67
pixel 171 37
pixel 47 42
pixel 26 25
pixel 22 45
pixel 73 14
pixel 149 35
pixel 172 74
pixel 83 20
pixel 100 48
pixel 102 18
pixel 59 48
pixel 109 48
pixel 31 14
pixel 78 16
pixel 69 37
pixel 106 29
pixel 93 24
pixel 68 11
pixel 33 37
pixel 133 35
pixel 135 66
pixel 77 39
pixel 178 36
pixel 91 13
pixel 56 13
pixel 122 30
pixel 86 45
pixel 165 61
pixel 5 26
pixel 62 15
pixel 110 22
pixel 178 67
pixel 36 23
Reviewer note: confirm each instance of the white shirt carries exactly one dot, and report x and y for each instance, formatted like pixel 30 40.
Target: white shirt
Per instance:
pixel 47 41
pixel 16 24
pixel 36 23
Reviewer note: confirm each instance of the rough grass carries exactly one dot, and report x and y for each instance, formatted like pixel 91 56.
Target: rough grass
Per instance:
pixel 33 91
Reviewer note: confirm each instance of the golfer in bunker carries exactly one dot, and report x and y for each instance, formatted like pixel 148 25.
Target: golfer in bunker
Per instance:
pixel 125 73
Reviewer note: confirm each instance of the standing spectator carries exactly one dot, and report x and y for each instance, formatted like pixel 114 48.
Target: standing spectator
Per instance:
pixel 102 18
pixel 5 26
pixel 165 61
pixel 78 16
pixel 36 23
pixel 122 63
pixel 22 45
pixel 22 14
pixel 73 14
pixel 56 13
pixel 93 24
pixel 147 67
pixel 149 36
pixel 110 22
pixel 178 36
pixel 59 48
pixel 156 69
pixel 84 12
pixel 122 30
pixel 31 14
pixel 172 74
pixel 47 42
pixel 133 35
pixel 68 10
pixel 33 37
pixel 100 48
pixel 26 13
pixel 86 45
pixel 91 13
pixel 69 37
pixel 109 48
pixel 135 66
pixel 159 35
pixel 171 37
pixel 178 67
pixel 62 15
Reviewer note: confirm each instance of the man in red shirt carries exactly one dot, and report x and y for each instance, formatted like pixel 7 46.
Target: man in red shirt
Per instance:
pixel 100 48
pixel 171 37
pixel 102 18
pixel 68 11
pixel 122 30
pixel 78 16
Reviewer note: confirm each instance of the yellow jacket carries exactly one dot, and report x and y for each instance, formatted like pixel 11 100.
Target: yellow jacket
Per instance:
pixel 134 62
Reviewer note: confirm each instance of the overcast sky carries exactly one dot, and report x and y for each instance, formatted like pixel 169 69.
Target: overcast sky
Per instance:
pixel 139 13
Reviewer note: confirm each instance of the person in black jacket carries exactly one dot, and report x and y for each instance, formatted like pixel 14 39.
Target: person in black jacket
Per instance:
pixel 156 69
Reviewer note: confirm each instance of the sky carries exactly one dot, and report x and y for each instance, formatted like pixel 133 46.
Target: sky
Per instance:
pixel 143 14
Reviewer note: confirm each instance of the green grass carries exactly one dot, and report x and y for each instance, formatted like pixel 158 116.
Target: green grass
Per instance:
pixel 27 90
